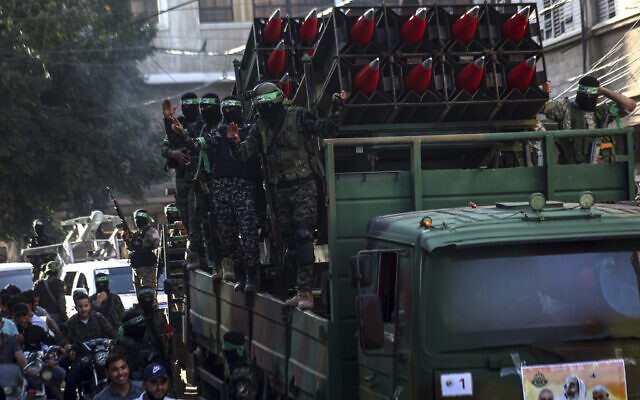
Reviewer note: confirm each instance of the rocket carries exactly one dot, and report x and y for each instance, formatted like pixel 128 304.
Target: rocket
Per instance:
pixel 285 85
pixel 465 27
pixel 366 80
pixel 275 62
pixel 520 77
pixel 413 30
pixel 470 77
pixel 271 31
pixel 516 26
pixel 361 31
pixel 419 77
pixel 309 27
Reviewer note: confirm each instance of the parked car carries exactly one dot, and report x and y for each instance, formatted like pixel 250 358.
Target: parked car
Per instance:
pixel 18 274
pixel 81 277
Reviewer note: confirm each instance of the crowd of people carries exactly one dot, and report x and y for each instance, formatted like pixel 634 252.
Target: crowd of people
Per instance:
pixel 141 362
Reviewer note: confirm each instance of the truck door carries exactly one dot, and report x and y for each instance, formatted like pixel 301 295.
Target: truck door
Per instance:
pixel 383 371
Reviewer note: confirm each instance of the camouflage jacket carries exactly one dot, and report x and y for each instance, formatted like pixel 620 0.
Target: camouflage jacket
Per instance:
pixel 172 141
pixel 96 327
pixel 289 146
pixel 56 305
pixel 111 308
pixel 158 333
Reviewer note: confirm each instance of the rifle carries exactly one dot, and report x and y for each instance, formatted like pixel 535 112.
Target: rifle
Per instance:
pixel 125 227
pixel 278 244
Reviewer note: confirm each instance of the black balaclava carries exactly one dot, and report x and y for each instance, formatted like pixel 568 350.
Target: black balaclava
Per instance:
pixel 141 218
pixel 233 346
pixel 270 112
pixel 232 110
pixel 210 109
pixel 133 324
pixel 38 227
pixel 587 96
pixel 146 301
pixel 190 107
pixel 102 283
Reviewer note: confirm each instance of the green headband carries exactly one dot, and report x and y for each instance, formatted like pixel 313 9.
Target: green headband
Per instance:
pixel 142 214
pixel 231 103
pixel 239 348
pixel 104 278
pixel 172 208
pixel 588 89
pixel 145 290
pixel 190 101
pixel 267 97
pixel 209 100
pixel 39 223
pixel 134 321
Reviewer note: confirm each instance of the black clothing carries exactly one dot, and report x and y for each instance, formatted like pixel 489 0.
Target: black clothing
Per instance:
pixel 226 166
pixel 35 337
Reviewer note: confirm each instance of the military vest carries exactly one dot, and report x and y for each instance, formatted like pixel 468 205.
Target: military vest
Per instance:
pixel 578 150
pixel 286 150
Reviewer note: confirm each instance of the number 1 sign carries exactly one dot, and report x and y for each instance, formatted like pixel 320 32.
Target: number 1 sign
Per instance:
pixel 456 384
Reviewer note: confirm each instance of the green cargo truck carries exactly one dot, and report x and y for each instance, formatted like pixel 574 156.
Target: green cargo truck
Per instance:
pixel 443 256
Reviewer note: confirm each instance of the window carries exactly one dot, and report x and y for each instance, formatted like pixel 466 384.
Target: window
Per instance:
pixel 215 11
pixel 68 282
pixel 293 8
pixel 387 284
pixel 151 8
pixel 82 282
pixel 606 9
pixel 557 17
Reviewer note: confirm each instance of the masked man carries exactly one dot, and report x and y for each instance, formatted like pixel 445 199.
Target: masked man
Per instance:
pixel 39 238
pixel 142 247
pixel 177 156
pixel 106 303
pixel 584 113
pixel 51 291
pixel 286 137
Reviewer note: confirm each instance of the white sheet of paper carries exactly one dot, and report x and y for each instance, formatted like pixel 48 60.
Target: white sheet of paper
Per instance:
pixel 456 384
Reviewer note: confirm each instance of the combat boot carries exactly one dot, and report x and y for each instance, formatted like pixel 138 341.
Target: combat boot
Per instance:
pixel 227 269
pixel 251 285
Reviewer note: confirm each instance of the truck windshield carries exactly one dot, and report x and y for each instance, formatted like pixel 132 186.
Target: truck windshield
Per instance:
pixel 121 280
pixel 531 293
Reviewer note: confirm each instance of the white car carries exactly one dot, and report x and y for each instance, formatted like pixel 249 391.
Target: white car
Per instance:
pixel 18 274
pixel 81 277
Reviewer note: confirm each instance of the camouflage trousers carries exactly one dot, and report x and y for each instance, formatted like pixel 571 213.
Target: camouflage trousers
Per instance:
pixel 199 232
pixel 145 276
pixel 182 201
pixel 297 207
pixel 235 208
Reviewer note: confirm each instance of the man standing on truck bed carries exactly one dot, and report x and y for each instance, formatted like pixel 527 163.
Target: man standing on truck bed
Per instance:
pixel 142 247
pixel 286 136
pixel 584 113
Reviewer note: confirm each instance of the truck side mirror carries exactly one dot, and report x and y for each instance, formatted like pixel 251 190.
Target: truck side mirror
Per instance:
pixel 360 267
pixel 370 325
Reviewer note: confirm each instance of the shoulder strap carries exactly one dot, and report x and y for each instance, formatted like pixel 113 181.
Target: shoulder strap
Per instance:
pixel 53 298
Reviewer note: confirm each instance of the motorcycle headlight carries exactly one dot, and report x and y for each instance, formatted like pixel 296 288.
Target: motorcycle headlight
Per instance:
pixel 101 358
pixel 47 374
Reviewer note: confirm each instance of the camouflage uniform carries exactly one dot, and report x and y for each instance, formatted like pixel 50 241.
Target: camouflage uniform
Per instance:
pixel 111 308
pixel 569 116
pixel 184 174
pixel 51 292
pixel 143 258
pixel 293 168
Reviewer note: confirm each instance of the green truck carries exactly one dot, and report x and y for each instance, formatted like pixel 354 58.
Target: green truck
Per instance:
pixel 438 262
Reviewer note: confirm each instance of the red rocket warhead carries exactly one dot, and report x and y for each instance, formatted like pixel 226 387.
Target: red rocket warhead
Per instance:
pixel 285 84
pixel 413 30
pixel 420 76
pixel 361 31
pixel 470 77
pixel 312 50
pixel 465 27
pixel 309 27
pixel 366 80
pixel 275 62
pixel 271 31
pixel 520 77
pixel 516 26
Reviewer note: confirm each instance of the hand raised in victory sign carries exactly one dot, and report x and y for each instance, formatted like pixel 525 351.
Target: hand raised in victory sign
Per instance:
pixel 233 132
pixel 167 109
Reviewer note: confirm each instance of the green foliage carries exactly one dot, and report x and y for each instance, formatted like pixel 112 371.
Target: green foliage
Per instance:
pixel 70 112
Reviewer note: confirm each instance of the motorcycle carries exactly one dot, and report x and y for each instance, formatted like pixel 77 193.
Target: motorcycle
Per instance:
pixel 94 360
pixel 43 374
pixel 12 382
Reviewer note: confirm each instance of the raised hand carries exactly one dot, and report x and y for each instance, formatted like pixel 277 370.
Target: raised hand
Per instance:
pixel 176 126
pixel 167 109
pixel 546 87
pixel 233 132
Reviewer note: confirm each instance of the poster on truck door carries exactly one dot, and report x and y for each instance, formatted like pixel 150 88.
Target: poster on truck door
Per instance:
pixel 594 380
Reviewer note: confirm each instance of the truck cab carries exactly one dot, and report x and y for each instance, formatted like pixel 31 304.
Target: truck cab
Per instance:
pixel 475 293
